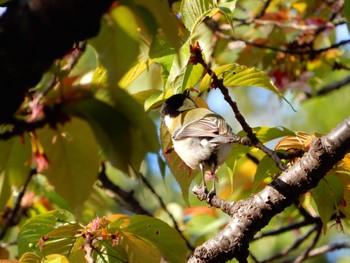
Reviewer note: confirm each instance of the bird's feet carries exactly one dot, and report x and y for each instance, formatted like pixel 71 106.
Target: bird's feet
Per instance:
pixel 202 193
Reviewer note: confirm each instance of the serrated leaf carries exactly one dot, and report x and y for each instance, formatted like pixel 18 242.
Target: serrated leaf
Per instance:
pixel 195 11
pixel 117 43
pixel 188 78
pixel 73 160
pixel 30 258
pixel 266 168
pixel 30 237
pixel 327 195
pixel 182 173
pixel 159 234
pixel 111 129
pixel 297 141
pixel 238 75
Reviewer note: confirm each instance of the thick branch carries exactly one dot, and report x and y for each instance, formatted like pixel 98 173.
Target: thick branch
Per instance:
pixel 252 214
pixel 33 33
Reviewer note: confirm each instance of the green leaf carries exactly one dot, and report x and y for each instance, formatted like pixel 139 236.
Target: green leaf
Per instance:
pixel 227 9
pixel 111 129
pixel 346 12
pixel 72 152
pixel 327 195
pixel 117 44
pixel 188 78
pixel 138 250
pixel 266 134
pixel 266 168
pixel 166 20
pixel 15 157
pixel 159 234
pixel 195 11
pixel 42 234
pixel 56 258
pixel 237 75
pixel 133 74
pixel 30 258
pixel 5 189
pixel 143 133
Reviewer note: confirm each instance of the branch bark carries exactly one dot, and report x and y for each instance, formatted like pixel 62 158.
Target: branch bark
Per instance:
pixel 33 33
pixel 250 215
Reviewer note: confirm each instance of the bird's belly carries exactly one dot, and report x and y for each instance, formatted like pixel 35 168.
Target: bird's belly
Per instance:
pixel 191 152
pixel 194 151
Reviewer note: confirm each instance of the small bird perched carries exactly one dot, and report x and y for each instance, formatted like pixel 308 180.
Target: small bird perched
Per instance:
pixel 201 138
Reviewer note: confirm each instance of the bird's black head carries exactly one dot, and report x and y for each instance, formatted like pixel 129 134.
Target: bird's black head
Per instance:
pixel 176 104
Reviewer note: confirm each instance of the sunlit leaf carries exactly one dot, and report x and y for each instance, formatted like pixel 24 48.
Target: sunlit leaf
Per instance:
pixel 138 250
pixel 30 258
pixel 298 141
pixel 15 157
pixel 235 75
pixel 195 11
pixel 143 135
pixel 132 74
pixel 111 129
pixel 266 168
pixel 266 134
pixel 227 9
pixel 166 20
pixel 188 78
pixel 67 148
pixel 35 234
pixel 117 44
pixel 5 189
pixel 56 258
pixel 161 235
pixel 327 195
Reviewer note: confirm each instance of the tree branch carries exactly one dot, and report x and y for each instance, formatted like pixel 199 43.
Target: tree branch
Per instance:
pixel 127 197
pixel 331 87
pixel 14 215
pixel 250 215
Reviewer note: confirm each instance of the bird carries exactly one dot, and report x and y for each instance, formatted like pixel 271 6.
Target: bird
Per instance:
pixel 201 138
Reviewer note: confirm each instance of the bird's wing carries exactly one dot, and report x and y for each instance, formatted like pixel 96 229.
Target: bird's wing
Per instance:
pixel 209 127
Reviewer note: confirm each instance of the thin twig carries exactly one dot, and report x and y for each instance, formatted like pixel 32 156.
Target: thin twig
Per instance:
pixel 311 52
pixel 304 256
pixel 197 57
pixel 263 10
pixel 15 211
pixel 328 248
pixel 284 229
pixel 294 246
pixel 163 205
pixel 74 57
pixel 331 87
pixel 127 197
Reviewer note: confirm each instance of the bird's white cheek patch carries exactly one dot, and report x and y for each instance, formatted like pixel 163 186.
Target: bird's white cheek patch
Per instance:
pixel 167 121
pixel 204 142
